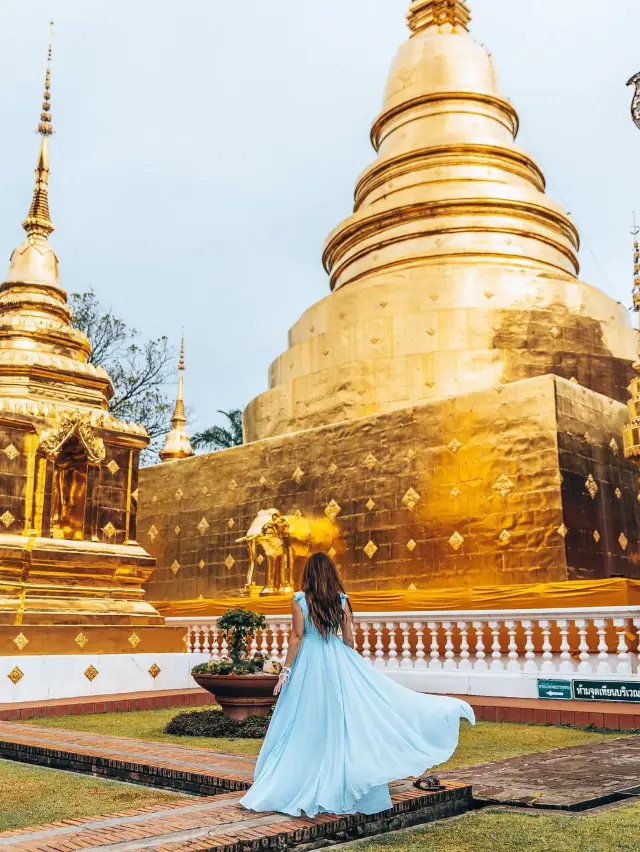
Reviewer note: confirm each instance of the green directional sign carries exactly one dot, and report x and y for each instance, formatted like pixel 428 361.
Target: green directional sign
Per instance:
pixel 606 690
pixel 560 690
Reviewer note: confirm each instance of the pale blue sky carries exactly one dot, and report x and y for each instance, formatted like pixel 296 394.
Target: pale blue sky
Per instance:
pixel 205 149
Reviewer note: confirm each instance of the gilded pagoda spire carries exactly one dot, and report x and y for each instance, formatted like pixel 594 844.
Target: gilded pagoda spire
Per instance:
pixel 38 222
pixel 438 13
pixel 177 444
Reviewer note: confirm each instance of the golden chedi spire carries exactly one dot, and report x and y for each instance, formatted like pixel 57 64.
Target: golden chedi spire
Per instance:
pixel 631 432
pixel 438 13
pixel 455 272
pixel 42 357
pixel 177 444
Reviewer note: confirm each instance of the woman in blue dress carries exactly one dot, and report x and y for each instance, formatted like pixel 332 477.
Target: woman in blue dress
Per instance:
pixel 341 730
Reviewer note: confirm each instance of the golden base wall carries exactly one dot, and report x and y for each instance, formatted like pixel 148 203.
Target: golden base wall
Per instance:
pixel 47 640
pixel 524 483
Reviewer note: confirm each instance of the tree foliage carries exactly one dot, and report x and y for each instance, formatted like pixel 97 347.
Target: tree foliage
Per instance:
pixel 221 437
pixel 140 369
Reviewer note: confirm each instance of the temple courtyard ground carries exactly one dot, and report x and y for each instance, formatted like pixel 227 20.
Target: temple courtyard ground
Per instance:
pixel 591 769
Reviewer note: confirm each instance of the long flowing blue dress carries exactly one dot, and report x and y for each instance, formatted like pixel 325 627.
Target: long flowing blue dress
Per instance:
pixel 341 731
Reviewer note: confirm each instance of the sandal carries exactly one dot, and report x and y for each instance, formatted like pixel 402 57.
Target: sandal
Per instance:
pixel 428 783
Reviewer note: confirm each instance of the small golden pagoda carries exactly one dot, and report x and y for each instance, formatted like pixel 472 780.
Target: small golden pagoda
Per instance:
pixel 177 444
pixel 68 469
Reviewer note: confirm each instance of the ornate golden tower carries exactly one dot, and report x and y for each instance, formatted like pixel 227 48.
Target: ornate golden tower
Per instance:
pixel 456 271
pixel 177 444
pixel 68 469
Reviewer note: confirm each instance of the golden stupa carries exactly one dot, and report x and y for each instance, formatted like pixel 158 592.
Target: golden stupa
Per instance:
pixel 177 444
pixel 454 406
pixel 68 469
pixel 456 271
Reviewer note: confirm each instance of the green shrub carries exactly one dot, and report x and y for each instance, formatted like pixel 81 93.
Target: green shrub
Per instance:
pixel 239 627
pixel 213 723
pixel 227 666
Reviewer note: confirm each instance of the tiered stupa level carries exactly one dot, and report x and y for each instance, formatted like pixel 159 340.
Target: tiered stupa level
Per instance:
pixel 456 271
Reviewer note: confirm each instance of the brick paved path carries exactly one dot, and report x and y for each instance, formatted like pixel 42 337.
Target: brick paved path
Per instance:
pixel 221 825
pixel 192 770
pixel 573 778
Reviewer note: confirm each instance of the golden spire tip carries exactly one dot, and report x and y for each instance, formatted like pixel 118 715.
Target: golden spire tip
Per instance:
pixel 424 14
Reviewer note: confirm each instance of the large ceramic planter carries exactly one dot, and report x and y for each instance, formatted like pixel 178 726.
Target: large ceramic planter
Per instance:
pixel 241 695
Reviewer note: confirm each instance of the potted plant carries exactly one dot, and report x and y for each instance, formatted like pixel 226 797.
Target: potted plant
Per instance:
pixel 243 685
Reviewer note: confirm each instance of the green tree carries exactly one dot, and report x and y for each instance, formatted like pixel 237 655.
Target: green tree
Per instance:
pixel 140 369
pixel 221 437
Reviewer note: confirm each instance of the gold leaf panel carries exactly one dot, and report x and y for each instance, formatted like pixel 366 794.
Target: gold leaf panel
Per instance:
pixel 113 467
pixel 505 537
pixel 109 530
pixel 618 493
pixel 411 499
pixel 613 446
pixel 596 536
pixel 155 670
pixel 91 673
pixel 175 566
pixel 332 510
pixel 15 675
pixel 7 518
pixel 331 553
pixel 503 486
pixel 562 530
pixel 21 641
pixel 179 494
pixel 201 564
pixel 370 504
pixel 176 529
pixel 81 640
pixel 456 541
pixel 592 487
pixel 231 523
pixel 624 541
pixel 454 446
pixel 229 562
pixel 370 549
pixel 411 545
pixel 11 452
pixel 134 640
pixel 153 532
pixel 298 475
pixel 332 468
pixel 203 526
pixel 371 461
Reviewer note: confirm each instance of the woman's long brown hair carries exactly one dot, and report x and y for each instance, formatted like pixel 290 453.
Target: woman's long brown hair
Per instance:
pixel 322 587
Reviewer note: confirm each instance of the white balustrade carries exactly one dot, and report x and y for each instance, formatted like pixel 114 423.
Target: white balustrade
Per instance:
pixel 487 653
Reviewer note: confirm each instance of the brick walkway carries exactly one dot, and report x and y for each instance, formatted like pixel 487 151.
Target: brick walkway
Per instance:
pixel 221 825
pixel 583 714
pixel 572 779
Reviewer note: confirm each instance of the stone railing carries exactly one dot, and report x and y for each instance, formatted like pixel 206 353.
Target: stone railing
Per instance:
pixel 480 653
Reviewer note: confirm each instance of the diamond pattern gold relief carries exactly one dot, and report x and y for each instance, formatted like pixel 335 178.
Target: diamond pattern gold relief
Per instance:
pixel 411 545
pixel 201 564
pixel 596 536
pixel 205 490
pixel 562 530
pixel 370 504
pixel 503 486
pixel 505 537
pixel 454 446
pixel 175 566
pixel 618 493
pixel 233 485
pixel 592 487
pixel 455 492
pixel 91 673
pixel 411 499
pixel 15 675
pixel 176 529
pixel 456 541
pixel 613 446
pixel 113 467
pixel 81 640
pixel 155 670
pixel 153 532
pixel 262 481
pixel 370 549
pixel 21 641
pixel 134 640
pixel 332 510
pixel 371 461
pixel 231 523
pixel 298 513
pixel 331 553
pixel 332 468
pixel 260 559
pixel 298 475
pixel 203 526
pixel 134 495
pixel 10 452
pixel 411 454
pixel 624 541
pixel 109 530
pixel 7 518
pixel 179 494
pixel 229 562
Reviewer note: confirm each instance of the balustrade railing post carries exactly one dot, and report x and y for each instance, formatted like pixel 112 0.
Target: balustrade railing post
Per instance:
pixel 548 665
pixel 449 661
pixel 604 665
pixel 421 664
pixel 496 651
pixel 480 664
pixel 513 664
pixel 392 662
pixel 366 644
pixel 379 654
pixel 530 665
pixel 624 661
pixel 566 663
pixel 465 663
pixel 407 662
pixel 434 662
pixel 584 666
pixel 285 627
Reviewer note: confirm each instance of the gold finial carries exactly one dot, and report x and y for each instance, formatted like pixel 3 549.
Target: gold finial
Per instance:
pixel 437 13
pixel 38 222
pixel 177 444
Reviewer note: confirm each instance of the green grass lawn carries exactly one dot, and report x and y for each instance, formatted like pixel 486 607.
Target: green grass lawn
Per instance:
pixel 32 795
pixel 497 830
pixel 486 742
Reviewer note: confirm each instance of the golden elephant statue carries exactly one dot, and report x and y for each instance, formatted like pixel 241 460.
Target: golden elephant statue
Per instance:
pixel 283 538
